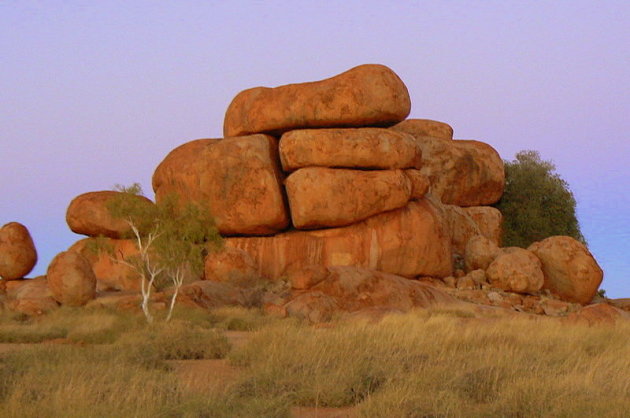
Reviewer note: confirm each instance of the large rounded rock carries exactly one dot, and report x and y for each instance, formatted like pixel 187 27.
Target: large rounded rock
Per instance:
pixel 489 220
pixel 480 253
pixel 88 214
pixel 425 127
pixel 410 241
pixel 237 179
pixel 71 279
pixel 31 297
pixel 461 172
pixel 375 148
pixel 516 270
pixel 571 271
pixel 327 197
pixel 17 251
pixel 365 95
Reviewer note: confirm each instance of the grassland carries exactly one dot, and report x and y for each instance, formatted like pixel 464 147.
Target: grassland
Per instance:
pixel 421 364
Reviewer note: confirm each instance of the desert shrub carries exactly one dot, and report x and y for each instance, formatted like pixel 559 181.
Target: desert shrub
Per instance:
pixel 537 203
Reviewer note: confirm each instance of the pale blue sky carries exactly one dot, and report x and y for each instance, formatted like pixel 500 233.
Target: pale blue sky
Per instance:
pixel 97 93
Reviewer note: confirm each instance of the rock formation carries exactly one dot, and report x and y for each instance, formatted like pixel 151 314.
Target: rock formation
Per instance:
pixel 71 279
pixel 17 251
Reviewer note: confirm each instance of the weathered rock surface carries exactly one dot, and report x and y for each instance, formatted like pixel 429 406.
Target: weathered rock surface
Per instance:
pixel 410 241
pixel 17 251
pixel 71 279
pixel 516 270
pixel 489 220
pixel 599 314
pixel 328 197
pixel 419 183
pixel 208 294
pixel 108 267
pixel 570 270
pixel 461 226
pixel 374 148
pixel 89 215
pixel 480 252
pixel 425 127
pixel 351 289
pixel 365 95
pixel 230 265
pixel 461 172
pixel 237 179
pixel 31 296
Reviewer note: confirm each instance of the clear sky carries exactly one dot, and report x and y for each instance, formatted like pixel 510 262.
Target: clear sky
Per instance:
pixel 95 93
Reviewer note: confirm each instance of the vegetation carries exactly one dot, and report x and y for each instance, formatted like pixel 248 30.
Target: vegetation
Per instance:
pixel 537 202
pixel 172 240
pixel 425 363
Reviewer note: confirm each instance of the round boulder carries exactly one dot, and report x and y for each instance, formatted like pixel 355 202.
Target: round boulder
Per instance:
pixel 570 270
pixel 17 251
pixel 71 279
pixel 480 252
pixel 516 270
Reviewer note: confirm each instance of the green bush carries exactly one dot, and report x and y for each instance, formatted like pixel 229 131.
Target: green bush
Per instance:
pixel 536 203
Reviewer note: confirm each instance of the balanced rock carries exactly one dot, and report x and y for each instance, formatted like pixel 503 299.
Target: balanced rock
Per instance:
pixel 328 197
pixel 365 95
pixel 230 265
pixel 88 214
pixel 570 270
pixel 237 179
pixel 425 127
pixel 409 241
pixel 489 220
pixel 480 253
pixel 516 270
pixel 374 148
pixel 71 279
pixel 17 251
pixel 461 172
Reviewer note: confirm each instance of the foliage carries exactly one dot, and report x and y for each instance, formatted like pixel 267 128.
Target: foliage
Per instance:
pixel 536 203
pixel 172 240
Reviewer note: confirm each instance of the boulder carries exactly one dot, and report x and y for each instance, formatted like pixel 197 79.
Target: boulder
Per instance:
pixel 374 148
pixel 570 270
pixel 365 95
pixel 237 179
pixel 516 270
pixel 208 294
pixel 327 197
pixel 107 262
pixel 419 183
pixel 480 252
pixel 71 279
pixel 461 227
pixel 409 241
pixel 17 251
pixel 31 297
pixel 230 265
pixel 425 127
pixel 599 314
pixel 489 220
pixel 303 278
pixel 461 172
pixel 89 215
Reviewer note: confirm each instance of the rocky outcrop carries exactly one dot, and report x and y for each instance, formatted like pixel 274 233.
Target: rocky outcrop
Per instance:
pixel 373 148
pixel 236 179
pixel 516 270
pixel 88 214
pixel 570 270
pixel 327 197
pixel 489 220
pixel 425 127
pixel 17 251
pixel 362 96
pixel 71 279
pixel 230 265
pixel 410 241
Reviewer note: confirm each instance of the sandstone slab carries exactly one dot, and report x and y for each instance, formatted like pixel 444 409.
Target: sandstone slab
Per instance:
pixel 425 127
pixel 570 270
pixel 373 148
pixel 71 279
pixel 328 197
pixel 237 179
pixel 516 270
pixel 365 95
pixel 17 251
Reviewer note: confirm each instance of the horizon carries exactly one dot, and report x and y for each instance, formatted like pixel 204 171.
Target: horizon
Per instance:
pixel 98 94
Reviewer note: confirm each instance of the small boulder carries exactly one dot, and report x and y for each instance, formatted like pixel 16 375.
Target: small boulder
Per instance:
pixel 362 96
pixel 71 279
pixel 425 127
pixel 480 253
pixel 374 148
pixel 570 270
pixel 516 270
pixel 489 220
pixel 328 197
pixel 31 297
pixel 89 215
pixel 17 251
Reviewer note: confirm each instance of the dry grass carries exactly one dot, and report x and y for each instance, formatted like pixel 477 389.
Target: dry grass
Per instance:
pixel 439 363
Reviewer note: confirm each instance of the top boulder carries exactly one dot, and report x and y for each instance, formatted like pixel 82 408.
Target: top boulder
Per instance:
pixel 367 95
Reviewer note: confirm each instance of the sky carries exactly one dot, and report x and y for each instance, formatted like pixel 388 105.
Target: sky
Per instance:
pixel 96 93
